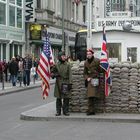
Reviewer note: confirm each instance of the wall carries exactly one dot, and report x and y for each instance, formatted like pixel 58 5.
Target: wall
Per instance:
pixel 125 93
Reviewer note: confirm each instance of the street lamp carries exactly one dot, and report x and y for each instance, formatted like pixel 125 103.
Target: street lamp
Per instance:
pixel 127 26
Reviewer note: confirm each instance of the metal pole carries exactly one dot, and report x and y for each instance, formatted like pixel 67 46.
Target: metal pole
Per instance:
pixel 63 42
pixel 89 23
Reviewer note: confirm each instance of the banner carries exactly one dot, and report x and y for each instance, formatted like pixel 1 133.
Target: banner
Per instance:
pixel 29 11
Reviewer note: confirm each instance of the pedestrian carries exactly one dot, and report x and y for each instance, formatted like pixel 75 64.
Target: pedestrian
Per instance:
pixel 13 69
pixel 62 72
pixel 91 75
pixel 27 65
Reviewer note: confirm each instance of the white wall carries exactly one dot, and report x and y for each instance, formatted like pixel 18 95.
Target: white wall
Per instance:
pixel 126 39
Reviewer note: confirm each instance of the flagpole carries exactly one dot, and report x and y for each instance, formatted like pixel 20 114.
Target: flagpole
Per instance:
pixel 63 37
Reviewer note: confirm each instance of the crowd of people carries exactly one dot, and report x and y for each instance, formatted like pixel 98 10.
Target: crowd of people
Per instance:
pixel 18 69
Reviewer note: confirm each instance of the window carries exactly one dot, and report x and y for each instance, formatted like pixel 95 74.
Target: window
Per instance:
pixel 84 13
pixel 12 16
pixel 39 4
pixel 12 1
pixel 19 18
pixel 19 2
pixel 2 13
pixel 118 5
pixel 132 54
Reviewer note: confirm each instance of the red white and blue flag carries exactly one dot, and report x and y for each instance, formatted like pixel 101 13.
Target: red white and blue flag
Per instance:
pixel 105 64
pixel 46 61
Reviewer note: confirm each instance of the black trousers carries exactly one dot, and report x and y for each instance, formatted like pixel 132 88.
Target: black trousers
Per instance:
pixel 91 104
pixel 62 104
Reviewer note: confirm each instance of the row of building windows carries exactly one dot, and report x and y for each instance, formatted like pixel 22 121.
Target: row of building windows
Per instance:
pixel 11 12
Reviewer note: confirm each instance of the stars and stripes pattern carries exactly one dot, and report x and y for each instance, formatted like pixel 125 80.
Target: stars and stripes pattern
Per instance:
pixel 46 60
pixel 105 64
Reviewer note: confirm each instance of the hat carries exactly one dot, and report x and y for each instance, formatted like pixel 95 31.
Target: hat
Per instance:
pixel 61 53
pixel 13 57
pixel 90 50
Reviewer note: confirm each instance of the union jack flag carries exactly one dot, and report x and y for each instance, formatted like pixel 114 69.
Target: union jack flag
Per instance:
pixel 46 61
pixel 105 64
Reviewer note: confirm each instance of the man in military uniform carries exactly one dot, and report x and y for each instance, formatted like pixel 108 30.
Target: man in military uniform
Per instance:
pixel 91 75
pixel 62 72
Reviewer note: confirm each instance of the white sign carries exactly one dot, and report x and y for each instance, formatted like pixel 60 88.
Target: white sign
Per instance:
pixel 120 14
pixel 117 23
pixel 29 11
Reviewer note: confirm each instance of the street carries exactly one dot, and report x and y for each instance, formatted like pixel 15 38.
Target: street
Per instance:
pixel 12 128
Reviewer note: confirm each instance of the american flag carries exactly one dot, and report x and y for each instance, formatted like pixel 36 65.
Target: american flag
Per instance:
pixel 105 64
pixel 46 60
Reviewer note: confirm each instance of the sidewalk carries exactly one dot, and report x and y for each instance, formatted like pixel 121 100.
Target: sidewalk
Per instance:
pixel 47 113
pixel 8 88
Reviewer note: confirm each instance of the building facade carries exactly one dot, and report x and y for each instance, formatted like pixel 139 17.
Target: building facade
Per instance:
pixel 49 13
pixel 122 44
pixel 12 29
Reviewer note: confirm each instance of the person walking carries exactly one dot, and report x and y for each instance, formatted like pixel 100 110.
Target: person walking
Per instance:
pixel 62 72
pixel 27 65
pixel 13 69
pixel 91 75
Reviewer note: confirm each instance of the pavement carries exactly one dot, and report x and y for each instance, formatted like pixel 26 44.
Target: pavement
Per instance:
pixel 47 112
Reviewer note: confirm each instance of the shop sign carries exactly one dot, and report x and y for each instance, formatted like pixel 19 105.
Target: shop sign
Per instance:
pixel 117 23
pixel 29 10
pixel 35 31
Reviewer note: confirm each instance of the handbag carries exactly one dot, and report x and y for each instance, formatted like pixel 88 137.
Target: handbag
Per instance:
pixel 65 88
pixel 95 82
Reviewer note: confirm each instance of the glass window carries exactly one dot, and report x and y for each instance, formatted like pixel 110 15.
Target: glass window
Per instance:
pixel 39 4
pixel 4 51
pixel 15 49
pixel 11 16
pixel 12 1
pixel 2 13
pixel 19 18
pixel 19 2
pixel 132 54
pixel 11 51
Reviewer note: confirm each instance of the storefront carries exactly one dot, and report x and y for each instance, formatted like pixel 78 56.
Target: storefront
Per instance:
pixel 55 35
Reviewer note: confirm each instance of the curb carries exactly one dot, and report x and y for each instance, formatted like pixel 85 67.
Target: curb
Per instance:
pixel 19 89
pixel 47 113
pixel 77 118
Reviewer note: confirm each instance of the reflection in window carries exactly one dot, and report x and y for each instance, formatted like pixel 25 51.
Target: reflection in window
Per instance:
pixel 11 16
pixel 19 18
pixel 2 13
pixel 132 54
pixel 12 1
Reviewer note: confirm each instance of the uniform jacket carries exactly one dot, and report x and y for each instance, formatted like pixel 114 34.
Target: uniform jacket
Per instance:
pixel 92 70
pixel 62 73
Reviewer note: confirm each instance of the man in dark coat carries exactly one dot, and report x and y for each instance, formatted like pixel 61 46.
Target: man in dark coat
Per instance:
pixel 13 69
pixel 91 75
pixel 62 72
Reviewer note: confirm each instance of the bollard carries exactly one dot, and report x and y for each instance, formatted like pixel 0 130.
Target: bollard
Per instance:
pixel 34 78
pixel 3 81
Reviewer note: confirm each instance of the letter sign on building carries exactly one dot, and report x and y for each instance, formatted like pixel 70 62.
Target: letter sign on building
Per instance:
pixel 107 8
pixel 29 10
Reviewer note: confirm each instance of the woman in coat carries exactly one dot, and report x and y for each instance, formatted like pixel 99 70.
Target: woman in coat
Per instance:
pixel 91 75
pixel 62 72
